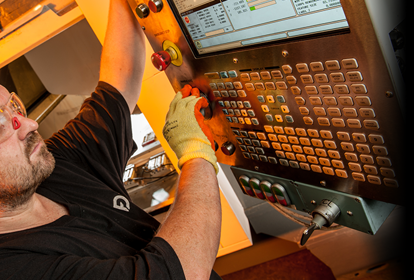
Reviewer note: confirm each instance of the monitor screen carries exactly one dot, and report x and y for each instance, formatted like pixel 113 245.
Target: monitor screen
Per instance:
pixel 220 25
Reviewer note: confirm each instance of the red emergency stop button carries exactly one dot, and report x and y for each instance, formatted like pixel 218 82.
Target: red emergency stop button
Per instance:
pixel 161 60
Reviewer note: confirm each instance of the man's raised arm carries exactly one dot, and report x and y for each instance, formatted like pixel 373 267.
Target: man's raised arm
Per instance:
pixel 123 52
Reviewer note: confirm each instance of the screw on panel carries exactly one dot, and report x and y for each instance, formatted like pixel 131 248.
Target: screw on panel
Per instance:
pixel 313 202
pixel 389 94
pixel 285 53
pixel 235 60
pixel 349 213
pixel 256 168
pixel 323 183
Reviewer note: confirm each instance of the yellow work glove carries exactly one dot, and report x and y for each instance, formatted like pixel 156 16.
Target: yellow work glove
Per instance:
pixel 185 130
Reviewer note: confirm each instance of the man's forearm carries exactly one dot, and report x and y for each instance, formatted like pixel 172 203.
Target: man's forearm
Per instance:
pixel 193 225
pixel 123 52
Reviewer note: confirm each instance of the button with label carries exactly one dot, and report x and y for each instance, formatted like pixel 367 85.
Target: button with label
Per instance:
pixel 349 63
pixel 311 90
pixel 359 88
pixel 224 75
pixel 270 86
pixel 367 112
pixel 371 124
pixel 287 69
pixel 281 85
pixel 245 77
pixel 276 74
pixel 255 76
pixel 363 148
pixel 346 100
pixel 300 100
pixel 285 109
pixel 337 77
pixel 332 65
pixel 321 78
pixel 265 75
pixel 341 89
pixel 375 139
pixel 306 79
pixel 354 76
pixel 295 90
pixel 291 80
pixel 334 112
pixel 316 66
pixel 325 89
pixel 302 67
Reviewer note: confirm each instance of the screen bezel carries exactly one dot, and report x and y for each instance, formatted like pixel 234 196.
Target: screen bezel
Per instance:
pixel 194 49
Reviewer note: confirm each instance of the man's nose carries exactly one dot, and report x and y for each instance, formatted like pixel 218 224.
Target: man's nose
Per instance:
pixel 24 126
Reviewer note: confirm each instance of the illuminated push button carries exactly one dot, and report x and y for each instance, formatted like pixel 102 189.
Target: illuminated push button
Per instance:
pixel 255 185
pixel 155 5
pixel 244 182
pixel 265 185
pixel 281 195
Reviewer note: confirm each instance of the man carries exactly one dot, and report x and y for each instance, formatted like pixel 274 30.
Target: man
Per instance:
pixel 64 213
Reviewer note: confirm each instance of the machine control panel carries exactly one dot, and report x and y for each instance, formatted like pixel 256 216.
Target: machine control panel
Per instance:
pixel 330 128
pixel 297 90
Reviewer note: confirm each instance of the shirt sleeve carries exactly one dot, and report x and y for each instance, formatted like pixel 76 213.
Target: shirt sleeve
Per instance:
pixel 156 261
pixel 99 138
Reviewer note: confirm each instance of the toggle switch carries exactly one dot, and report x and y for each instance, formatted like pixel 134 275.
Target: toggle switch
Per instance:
pixel 323 215
pixel 170 54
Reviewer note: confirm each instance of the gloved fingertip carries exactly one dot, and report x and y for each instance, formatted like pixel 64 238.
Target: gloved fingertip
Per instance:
pixel 195 92
pixel 186 90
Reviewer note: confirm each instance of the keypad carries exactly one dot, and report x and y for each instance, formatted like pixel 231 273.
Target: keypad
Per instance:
pixel 338 134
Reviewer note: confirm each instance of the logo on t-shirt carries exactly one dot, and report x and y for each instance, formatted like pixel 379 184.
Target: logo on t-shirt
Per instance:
pixel 121 203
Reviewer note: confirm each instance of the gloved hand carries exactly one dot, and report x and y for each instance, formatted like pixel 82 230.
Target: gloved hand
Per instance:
pixel 185 130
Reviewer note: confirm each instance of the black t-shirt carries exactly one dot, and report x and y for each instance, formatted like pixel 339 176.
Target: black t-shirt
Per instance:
pixel 105 236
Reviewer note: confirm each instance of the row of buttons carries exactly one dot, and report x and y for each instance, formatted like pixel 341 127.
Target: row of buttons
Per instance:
pixel 317 66
pixel 320 155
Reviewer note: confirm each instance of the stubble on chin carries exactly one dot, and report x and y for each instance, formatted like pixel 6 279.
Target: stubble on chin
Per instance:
pixel 19 181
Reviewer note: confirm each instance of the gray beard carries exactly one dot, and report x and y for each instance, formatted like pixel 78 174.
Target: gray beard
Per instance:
pixel 18 183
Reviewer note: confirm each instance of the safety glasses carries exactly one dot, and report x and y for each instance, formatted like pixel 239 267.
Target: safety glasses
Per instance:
pixel 8 121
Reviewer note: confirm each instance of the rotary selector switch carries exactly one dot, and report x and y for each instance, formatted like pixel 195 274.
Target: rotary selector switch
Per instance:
pixel 155 5
pixel 228 148
pixel 142 10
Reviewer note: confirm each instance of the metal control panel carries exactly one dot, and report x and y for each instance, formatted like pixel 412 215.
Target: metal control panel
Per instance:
pixel 314 103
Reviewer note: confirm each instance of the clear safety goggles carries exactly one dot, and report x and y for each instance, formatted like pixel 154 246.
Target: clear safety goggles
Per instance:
pixel 8 121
